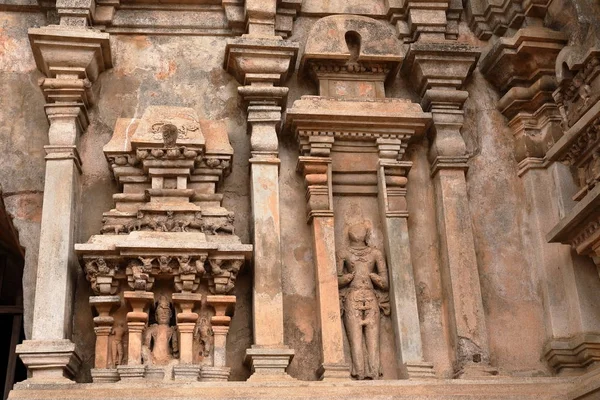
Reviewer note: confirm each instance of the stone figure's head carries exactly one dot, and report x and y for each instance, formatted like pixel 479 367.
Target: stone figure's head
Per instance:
pixel 169 134
pixel 359 233
pixel 163 311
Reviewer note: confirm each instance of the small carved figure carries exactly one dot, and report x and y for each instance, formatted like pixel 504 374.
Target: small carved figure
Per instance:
pixel 184 265
pixel 160 339
pixel 163 263
pixel 169 224
pixel 200 270
pixel 140 275
pixel 91 274
pixel 584 91
pixel 362 274
pixel 146 264
pixel 117 332
pixel 203 334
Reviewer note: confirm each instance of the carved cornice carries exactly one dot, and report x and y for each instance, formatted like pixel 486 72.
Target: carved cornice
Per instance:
pixel 251 59
pixel 76 53
pixel 486 17
pixel 428 20
pixel 439 65
pixel 580 227
pixel 522 59
pixel 575 353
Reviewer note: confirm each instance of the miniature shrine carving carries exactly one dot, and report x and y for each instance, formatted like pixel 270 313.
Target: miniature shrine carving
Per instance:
pixel 363 282
pixel 165 250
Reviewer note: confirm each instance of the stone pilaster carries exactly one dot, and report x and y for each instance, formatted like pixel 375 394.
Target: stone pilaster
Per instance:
pixel 71 56
pixel 186 324
pixel 391 182
pixel 137 320
pixel 104 305
pixel 260 63
pixel 222 305
pixel 447 154
pixel 316 170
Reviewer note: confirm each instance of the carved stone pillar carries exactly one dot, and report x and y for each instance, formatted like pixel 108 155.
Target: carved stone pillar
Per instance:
pixel 71 56
pixel 391 183
pixel 222 305
pixel 522 68
pixel 460 277
pixel 136 323
pixel 317 174
pixel 186 323
pixel 260 64
pixel 102 371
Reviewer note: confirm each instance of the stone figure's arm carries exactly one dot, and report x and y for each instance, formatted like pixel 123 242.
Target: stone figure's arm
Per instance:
pixel 147 336
pixel 174 342
pixel 380 279
pixel 343 278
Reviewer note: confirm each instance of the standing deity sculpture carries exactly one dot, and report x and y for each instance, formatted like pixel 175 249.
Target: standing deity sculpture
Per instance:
pixel 363 282
pixel 203 334
pixel 117 332
pixel 160 339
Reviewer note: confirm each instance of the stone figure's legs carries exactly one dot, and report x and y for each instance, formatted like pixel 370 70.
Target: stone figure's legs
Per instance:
pixel 372 340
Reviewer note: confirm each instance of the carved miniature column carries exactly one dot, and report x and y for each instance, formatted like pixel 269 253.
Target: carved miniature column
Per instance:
pixel 136 323
pixel 71 56
pixel 222 304
pixel 260 63
pixel 391 182
pixel 102 371
pixel 186 324
pixel 316 170
pixel 447 154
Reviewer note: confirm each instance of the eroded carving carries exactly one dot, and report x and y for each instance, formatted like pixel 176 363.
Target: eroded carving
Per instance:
pixel 160 339
pixel 363 282
pixel 101 275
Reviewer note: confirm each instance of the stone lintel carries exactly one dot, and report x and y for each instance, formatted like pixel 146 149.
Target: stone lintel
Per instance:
pixel 250 55
pixel 439 64
pixel 359 118
pixel 77 53
pixel 522 59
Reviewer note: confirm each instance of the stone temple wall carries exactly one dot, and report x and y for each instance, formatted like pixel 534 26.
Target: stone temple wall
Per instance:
pixel 474 190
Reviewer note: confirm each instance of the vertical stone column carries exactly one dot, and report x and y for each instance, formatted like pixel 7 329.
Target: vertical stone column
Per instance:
pixel 50 355
pixel 220 325
pixel 104 305
pixel 137 319
pixel 391 182
pixel 317 174
pixel 460 276
pixel 261 63
pixel 71 56
pixel 186 323
pixel 444 98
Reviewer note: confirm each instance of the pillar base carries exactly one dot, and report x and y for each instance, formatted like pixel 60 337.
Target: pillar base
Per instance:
pixel 334 372
pixel 420 370
pixel 186 372
pixel 155 373
pixel 131 371
pixel 49 361
pixel 105 375
pixel 214 374
pixel 269 363
pixel 477 371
